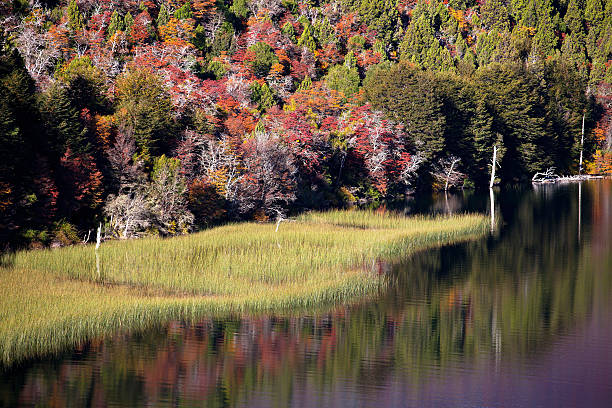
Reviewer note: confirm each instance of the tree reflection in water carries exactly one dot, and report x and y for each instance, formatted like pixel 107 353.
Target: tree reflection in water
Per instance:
pixel 465 308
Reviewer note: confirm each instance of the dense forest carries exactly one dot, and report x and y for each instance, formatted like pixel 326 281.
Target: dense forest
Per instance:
pixel 161 117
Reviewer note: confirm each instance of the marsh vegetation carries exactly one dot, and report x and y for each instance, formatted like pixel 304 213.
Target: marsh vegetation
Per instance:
pixel 50 299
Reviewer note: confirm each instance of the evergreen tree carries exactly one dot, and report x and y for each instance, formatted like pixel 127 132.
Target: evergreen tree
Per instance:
pixel 409 97
pixel 264 58
pixel 199 38
pixel 594 13
pixel 288 30
pixel 240 9
pixel 75 19
pixel 519 118
pixel 116 24
pixel 128 22
pixel 573 51
pixel 350 61
pixel 162 17
pixel 262 95
pixel 343 79
pixel 494 15
pixel 84 84
pixel 381 16
pixel 484 138
pixel 63 127
pixel 544 41
pixel 421 47
pixel 324 32
pixel 306 39
pixel 184 12
pixel 486 47
pixel 145 108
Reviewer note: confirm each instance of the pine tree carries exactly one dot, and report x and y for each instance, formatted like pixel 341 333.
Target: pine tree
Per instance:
pixel 62 124
pixel 544 41
pixel 381 16
pixel 324 32
pixel 128 22
pixel 494 15
pixel 75 19
pixel 184 12
pixel 162 17
pixel 116 24
pixel 306 39
pixel 288 31
pixel 574 18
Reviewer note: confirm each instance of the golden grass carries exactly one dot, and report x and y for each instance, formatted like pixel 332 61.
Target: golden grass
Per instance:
pixel 54 298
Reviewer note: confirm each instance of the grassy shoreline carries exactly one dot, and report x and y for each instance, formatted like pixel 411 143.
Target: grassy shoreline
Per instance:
pixel 53 299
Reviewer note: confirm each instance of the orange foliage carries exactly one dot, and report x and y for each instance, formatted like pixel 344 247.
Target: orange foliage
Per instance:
pixel 240 124
pixel 460 17
pixel 177 32
pixel 5 196
pixel 602 159
pixel 203 9
pixel 104 126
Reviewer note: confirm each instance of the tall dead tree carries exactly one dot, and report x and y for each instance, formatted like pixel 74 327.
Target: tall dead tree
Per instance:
pixel 493 165
pixel 581 145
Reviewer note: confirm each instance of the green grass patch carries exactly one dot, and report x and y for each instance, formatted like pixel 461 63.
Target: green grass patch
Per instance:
pixel 51 299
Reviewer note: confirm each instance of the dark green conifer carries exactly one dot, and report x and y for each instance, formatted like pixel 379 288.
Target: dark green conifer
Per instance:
pixel 75 19
pixel 162 17
pixel 116 24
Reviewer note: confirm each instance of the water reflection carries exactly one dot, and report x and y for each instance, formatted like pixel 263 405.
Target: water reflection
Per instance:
pixel 522 318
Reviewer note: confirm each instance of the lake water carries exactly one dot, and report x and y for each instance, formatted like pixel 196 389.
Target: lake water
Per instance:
pixel 522 318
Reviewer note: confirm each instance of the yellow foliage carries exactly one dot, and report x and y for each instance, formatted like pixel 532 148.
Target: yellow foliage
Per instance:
pixel 601 164
pixel 5 196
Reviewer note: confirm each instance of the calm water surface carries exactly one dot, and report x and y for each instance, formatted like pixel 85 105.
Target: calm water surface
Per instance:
pixel 522 318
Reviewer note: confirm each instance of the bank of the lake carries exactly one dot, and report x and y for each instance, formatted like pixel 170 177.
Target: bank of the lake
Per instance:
pixel 51 299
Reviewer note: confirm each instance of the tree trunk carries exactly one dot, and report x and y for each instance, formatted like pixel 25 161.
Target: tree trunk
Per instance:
pixel 581 145
pixel 449 173
pixel 493 164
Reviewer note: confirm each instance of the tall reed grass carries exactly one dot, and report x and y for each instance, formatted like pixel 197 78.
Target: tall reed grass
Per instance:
pixel 50 299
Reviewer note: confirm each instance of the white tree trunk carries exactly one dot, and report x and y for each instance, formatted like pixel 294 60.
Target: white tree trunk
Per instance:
pixel 581 145
pixel 492 197
pixel 450 172
pixel 98 239
pixel 493 164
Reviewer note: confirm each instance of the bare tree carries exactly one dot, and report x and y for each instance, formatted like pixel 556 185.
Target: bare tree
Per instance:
pixel 409 172
pixel 128 173
pixel 445 170
pixel 130 213
pixel 36 47
pixel 220 164
pixel 272 7
pixel 166 196
pixel 269 181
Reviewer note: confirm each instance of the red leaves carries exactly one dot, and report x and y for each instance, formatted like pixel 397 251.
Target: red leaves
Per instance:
pixel 82 181
pixel 141 28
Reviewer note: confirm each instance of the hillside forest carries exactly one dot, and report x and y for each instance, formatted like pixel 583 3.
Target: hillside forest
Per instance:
pixel 167 116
